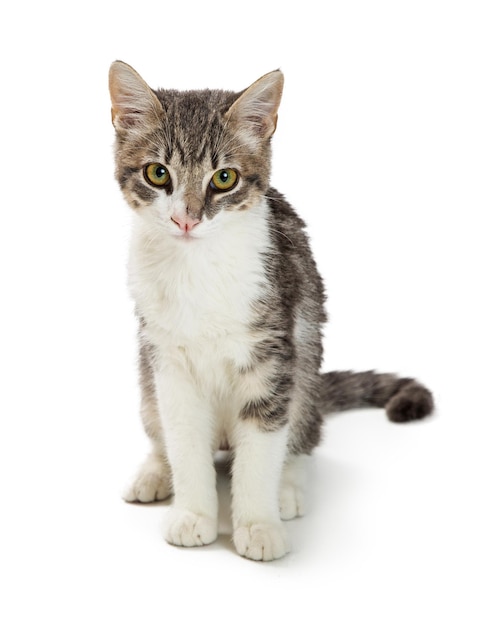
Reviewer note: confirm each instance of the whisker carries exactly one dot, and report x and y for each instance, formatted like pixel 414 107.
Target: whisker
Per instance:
pixel 279 232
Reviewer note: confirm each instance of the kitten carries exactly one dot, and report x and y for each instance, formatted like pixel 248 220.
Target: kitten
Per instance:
pixel 230 307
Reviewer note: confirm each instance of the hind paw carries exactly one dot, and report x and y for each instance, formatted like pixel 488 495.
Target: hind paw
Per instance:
pixel 291 502
pixel 153 482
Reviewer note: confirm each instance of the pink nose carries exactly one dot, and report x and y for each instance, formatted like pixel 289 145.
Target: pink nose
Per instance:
pixel 185 222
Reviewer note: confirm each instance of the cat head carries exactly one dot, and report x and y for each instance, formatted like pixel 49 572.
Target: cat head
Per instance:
pixel 184 160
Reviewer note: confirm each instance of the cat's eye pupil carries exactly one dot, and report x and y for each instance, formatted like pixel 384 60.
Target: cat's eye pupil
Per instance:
pixel 224 180
pixel 157 174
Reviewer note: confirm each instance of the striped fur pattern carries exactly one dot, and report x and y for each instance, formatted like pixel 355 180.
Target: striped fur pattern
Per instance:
pixel 231 306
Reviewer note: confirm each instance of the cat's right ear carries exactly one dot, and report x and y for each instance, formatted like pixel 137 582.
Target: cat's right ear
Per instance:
pixel 134 105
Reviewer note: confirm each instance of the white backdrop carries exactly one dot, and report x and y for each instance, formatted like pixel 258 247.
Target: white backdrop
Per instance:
pixel 388 144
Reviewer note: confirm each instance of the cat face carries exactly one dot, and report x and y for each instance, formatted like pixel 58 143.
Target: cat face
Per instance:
pixel 184 160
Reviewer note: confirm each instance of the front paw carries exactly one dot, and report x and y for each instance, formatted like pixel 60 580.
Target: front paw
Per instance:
pixel 261 542
pixel 185 528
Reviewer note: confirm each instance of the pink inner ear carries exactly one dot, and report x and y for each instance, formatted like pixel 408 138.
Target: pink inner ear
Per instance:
pixel 261 126
pixel 132 99
pixel 128 118
pixel 129 108
pixel 258 105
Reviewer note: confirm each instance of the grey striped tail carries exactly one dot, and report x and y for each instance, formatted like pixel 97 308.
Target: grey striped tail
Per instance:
pixel 403 398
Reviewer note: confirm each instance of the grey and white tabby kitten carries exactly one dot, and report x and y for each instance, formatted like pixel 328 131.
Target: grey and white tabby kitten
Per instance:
pixel 230 307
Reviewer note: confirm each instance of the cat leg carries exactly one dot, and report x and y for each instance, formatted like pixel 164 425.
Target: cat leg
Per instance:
pixel 292 487
pixel 153 480
pixel 259 456
pixel 188 430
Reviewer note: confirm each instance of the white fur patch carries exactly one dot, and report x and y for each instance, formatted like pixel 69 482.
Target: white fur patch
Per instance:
pixel 196 295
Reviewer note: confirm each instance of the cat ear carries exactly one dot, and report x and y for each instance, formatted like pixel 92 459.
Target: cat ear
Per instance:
pixel 255 111
pixel 133 103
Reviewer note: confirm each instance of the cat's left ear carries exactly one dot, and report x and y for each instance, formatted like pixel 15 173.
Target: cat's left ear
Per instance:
pixel 256 109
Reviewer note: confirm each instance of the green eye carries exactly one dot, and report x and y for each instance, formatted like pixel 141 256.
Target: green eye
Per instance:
pixel 157 174
pixel 224 180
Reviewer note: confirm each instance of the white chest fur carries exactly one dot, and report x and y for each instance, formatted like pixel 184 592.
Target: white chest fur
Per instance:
pixel 198 295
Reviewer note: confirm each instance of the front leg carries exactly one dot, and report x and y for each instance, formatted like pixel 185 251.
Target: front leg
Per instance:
pixel 259 457
pixel 188 428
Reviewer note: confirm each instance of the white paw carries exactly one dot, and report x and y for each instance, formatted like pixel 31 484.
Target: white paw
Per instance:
pixel 291 501
pixel 261 542
pixel 149 485
pixel 184 528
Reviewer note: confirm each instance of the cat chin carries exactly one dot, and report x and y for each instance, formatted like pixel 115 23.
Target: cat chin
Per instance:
pixel 186 238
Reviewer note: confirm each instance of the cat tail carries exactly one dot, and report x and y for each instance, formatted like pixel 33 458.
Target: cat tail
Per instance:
pixel 404 399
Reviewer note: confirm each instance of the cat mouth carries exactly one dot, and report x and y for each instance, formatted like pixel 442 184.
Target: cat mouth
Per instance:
pixel 185 235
